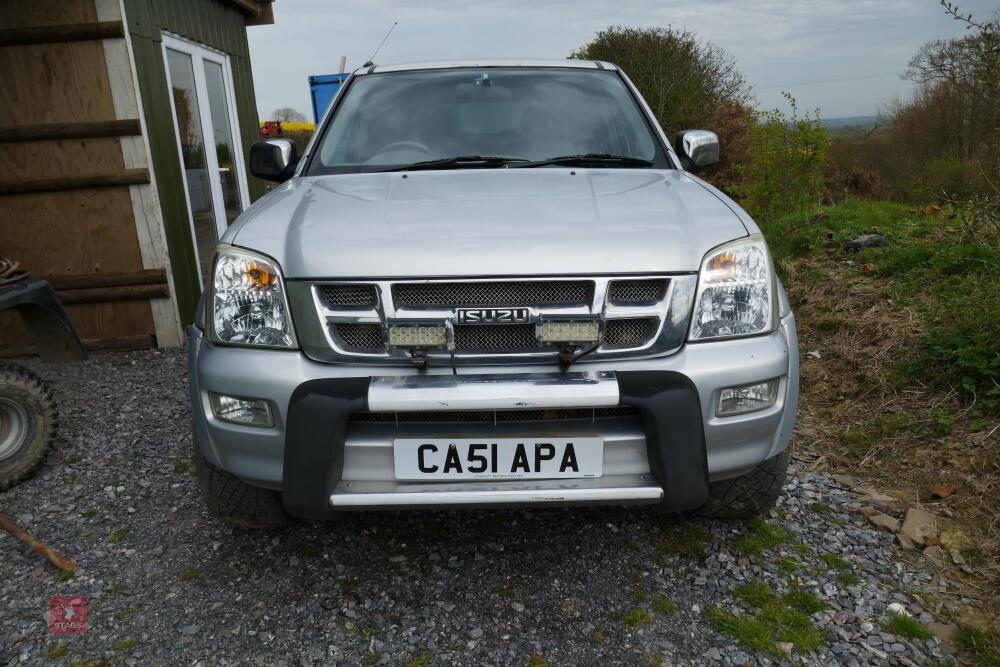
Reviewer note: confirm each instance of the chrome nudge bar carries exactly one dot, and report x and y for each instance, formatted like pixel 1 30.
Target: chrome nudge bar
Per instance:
pixel 347 321
pixel 616 489
pixel 493 392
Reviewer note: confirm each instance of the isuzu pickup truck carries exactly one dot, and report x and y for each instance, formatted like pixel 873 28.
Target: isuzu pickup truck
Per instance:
pixel 487 284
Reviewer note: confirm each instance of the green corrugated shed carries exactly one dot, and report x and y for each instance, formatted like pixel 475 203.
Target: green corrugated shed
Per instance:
pixel 221 26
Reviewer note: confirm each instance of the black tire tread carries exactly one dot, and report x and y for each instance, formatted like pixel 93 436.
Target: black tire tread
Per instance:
pixel 26 387
pixel 236 503
pixel 749 495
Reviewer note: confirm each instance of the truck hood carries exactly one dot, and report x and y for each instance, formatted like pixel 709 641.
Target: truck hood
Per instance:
pixel 488 222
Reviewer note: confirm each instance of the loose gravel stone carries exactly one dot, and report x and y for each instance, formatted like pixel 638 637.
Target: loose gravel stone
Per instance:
pixel 168 584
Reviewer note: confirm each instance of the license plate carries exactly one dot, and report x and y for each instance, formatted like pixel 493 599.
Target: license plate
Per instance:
pixel 498 458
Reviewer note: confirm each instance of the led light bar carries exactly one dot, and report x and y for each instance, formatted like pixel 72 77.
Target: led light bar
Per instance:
pixel 417 334
pixel 245 411
pixel 569 331
pixel 748 398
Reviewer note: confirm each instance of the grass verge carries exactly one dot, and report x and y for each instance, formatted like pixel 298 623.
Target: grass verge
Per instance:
pixel 900 364
pixel 983 648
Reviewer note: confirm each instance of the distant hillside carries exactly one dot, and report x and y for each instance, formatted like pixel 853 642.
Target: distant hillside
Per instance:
pixel 850 122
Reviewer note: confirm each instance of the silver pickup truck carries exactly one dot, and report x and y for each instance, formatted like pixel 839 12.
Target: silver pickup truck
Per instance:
pixel 491 283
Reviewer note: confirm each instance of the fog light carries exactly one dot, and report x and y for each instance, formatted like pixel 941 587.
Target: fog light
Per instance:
pixel 748 398
pixel 569 332
pixel 246 411
pixel 417 335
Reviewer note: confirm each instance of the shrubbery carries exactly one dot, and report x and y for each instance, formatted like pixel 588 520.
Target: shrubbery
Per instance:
pixel 783 171
pixel 942 143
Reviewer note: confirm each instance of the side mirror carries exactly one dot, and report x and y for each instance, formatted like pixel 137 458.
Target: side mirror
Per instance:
pixel 697 148
pixel 273 159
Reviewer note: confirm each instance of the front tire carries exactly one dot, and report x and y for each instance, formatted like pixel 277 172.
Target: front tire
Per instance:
pixel 236 503
pixel 28 422
pixel 749 495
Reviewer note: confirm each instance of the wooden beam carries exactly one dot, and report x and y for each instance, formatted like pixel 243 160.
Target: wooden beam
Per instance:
pixel 75 281
pixel 72 32
pixel 246 5
pixel 264 17
pixel 259 12
pixel 120 293
pixel 92 344
pixel 33 185
pixel 86 130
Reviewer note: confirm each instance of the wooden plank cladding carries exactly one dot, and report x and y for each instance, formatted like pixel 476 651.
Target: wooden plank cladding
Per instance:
pixel 69 211
pixel 108 287
pixel 84 130
pixel 35 185
pixel 107 294
pixel 70 32
pixel 78 281
pixel 140 342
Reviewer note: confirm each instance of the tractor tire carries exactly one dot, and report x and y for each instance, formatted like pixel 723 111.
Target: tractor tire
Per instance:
pixel 28 423
pixel 749 495
pixel 236 503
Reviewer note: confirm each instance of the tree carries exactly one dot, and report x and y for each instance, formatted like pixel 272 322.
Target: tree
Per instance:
pixel 687 83
pixel 953 118
pixel 288 115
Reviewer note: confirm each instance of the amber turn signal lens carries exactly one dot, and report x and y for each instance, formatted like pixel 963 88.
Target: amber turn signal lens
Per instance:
pixel 724 261
pixel 259 275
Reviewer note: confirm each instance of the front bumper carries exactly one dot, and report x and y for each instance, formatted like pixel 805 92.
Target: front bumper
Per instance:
pixel 322 462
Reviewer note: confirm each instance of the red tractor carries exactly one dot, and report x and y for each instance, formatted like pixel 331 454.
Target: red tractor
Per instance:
pixel 269 129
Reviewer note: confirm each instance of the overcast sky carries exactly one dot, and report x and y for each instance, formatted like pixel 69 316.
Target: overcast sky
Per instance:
pixel 843 56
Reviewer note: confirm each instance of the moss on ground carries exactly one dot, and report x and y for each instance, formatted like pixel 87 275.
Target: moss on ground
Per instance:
pixel 636 618
pixel 906 626
pixel 774 619
pixel 762 536
pixel 684 539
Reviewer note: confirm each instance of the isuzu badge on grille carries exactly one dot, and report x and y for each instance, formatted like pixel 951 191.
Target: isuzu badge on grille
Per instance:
pixel 493 315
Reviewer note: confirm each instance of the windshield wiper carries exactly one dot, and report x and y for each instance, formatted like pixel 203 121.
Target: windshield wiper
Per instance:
pixel 600 159
pixel 457 162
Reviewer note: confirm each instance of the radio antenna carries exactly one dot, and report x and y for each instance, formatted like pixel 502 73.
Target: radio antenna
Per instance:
pixel 371 60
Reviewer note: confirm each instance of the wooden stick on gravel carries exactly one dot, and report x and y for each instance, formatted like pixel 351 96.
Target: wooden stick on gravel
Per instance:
pixel 54 557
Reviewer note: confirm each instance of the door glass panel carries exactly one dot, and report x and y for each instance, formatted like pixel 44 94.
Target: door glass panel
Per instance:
pixel 192 143
pixel 218 106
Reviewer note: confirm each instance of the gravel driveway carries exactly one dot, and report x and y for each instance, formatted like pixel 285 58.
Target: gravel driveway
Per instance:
pixel 167 584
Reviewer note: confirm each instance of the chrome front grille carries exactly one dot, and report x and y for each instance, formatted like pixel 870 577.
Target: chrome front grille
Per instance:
pixel 350 296
pixel 641 316
pixel 484 294
pixel 630 332
pixel 495 338
pixel 637 291
pixel 367 338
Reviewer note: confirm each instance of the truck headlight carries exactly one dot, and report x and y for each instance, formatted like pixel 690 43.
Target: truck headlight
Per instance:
pixel 247 301
pixel 736 292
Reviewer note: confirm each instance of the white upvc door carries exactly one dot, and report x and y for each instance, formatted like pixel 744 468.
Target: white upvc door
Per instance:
pixel 200 83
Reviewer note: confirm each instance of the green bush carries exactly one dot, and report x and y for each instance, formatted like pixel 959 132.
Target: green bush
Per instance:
pixel 958 346
pixel 783 172
pixel 946 177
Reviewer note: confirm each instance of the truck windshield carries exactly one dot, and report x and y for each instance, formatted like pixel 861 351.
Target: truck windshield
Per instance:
pixel 486 118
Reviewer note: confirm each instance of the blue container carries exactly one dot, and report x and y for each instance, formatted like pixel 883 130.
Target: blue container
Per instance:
pixel 323 88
